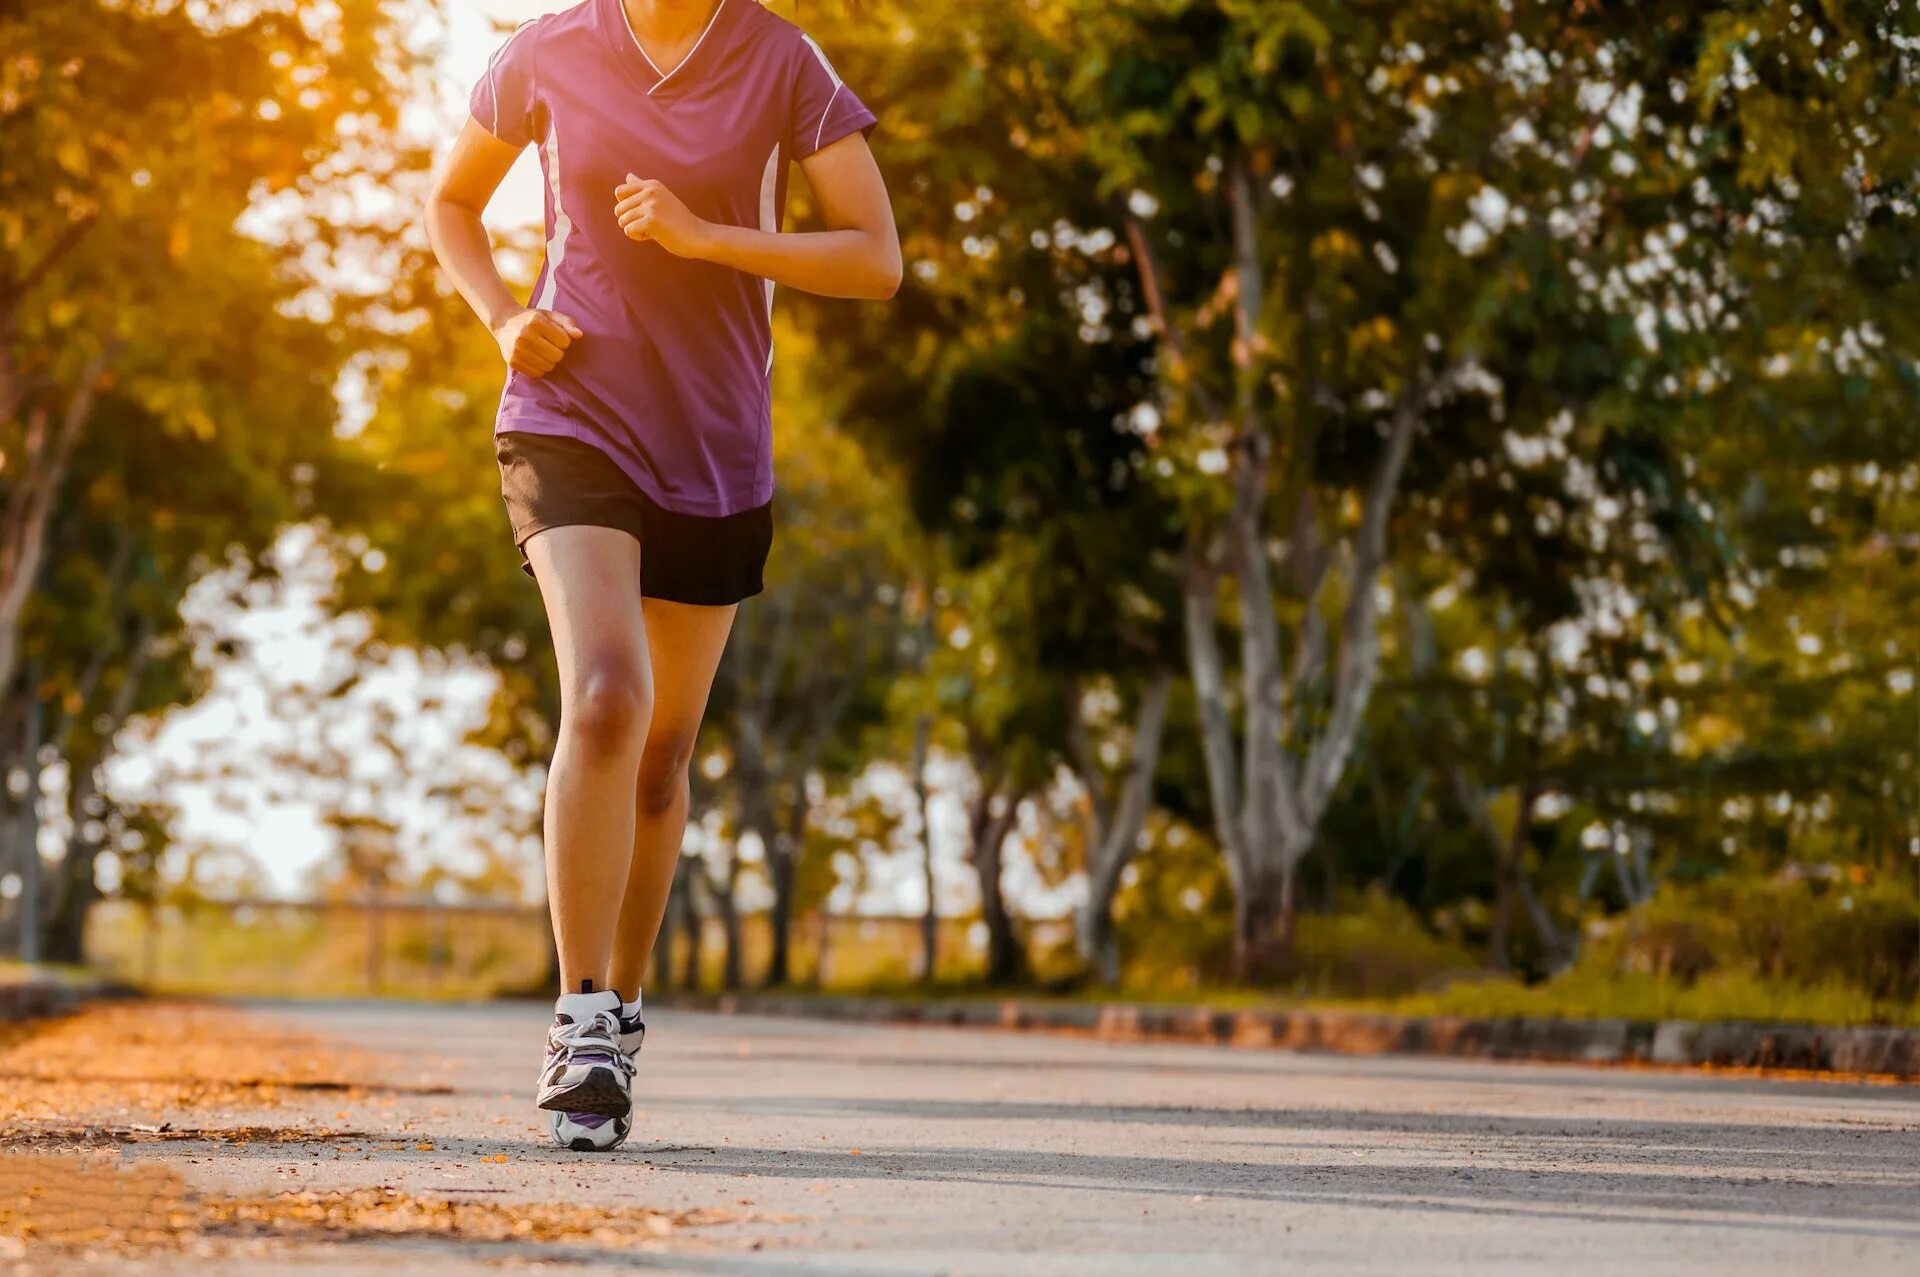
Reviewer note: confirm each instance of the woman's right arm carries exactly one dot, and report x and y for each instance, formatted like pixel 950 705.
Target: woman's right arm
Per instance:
pixel 531 341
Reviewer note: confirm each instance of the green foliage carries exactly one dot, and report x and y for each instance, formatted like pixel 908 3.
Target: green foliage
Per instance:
pixel 192 948
pixel 1373 947
pixel 1586 994
pixel 1173 911
pixel 1854 932
pixel 171 335
pixel 1650 274
pixel 1841 947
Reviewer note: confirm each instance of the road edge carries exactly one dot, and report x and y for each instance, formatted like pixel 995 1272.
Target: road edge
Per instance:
pixel 34 996
pixel 1851 1053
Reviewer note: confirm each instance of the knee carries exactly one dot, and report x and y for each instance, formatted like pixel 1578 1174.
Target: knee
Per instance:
pixel 607 707
pixel 663 768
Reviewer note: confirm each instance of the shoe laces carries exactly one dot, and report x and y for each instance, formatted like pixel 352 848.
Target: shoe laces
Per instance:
pixel 597 1037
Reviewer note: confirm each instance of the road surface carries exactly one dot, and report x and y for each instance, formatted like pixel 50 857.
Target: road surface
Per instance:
pixel 785 1147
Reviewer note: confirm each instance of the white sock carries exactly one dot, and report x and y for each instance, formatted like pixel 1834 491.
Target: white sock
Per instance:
pixel 630 1009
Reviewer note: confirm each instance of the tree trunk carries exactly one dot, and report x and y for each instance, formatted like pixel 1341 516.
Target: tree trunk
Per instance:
pixel 1006 959
pixel 1562 950
pixel 33 891
pixel 659 974
pixel 992 820
pixel 66 932
pixel 65 936
pixel 930 918
pixel 150 947
pixel 1116 835
pixel 1500 926
pixel 694 926
pixel 1265 914
pixel 1270 784
pixel 1099 947
pixel 75 892
pixel 29 507
pixel 731 977
pixel 732 959
pixel 780 869
pixel 758 814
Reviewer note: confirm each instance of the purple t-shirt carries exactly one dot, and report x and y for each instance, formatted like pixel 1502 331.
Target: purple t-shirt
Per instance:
pixel 672 377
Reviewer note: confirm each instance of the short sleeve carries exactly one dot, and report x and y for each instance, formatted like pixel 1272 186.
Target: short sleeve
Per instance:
pixel 503 100
pixel 824 109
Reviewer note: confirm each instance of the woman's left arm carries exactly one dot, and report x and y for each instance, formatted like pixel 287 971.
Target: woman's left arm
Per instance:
pixel 858 255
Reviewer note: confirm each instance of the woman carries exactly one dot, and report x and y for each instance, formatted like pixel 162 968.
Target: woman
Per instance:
pixel 633 433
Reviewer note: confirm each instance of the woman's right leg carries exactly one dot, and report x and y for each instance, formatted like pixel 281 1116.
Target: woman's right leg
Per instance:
pixel 590 582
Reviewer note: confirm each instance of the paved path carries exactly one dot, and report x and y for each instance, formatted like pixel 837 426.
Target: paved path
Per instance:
pixel 847 1149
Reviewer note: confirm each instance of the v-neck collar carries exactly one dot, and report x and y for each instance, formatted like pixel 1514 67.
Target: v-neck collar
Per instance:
pixel 634 55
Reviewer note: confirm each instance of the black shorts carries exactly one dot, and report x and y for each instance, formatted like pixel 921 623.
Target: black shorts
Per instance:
pixel 550 481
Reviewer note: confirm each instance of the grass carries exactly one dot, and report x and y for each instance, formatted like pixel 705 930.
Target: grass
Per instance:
pixel 1576 997
pixel 1582 995
pixel 12 972
pixel 1579 995
pixel 325 953
pixel 1355 966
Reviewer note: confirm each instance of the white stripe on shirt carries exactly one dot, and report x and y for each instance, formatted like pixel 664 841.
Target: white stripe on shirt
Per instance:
pixel 770 222
pixel 562 224
pixel 833 75
pixel 493 86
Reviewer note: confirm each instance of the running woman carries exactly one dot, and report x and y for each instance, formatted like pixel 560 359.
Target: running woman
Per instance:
pixel 633 435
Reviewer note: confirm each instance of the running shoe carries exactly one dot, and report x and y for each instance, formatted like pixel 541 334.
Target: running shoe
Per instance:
pixel 595 1132
pixel 586 1069
pixel 589 1132
pixel 633 1031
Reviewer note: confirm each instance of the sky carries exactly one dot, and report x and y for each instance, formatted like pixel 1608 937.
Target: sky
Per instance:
pixel 473 30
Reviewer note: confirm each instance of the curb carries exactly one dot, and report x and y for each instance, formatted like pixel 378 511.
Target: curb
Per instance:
pixel 1852 1052
pixel 37 997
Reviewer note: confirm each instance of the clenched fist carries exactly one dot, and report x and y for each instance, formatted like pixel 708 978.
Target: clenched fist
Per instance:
pixel 532 341
pixel 647 210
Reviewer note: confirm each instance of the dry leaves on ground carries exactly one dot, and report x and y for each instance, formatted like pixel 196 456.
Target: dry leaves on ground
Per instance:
pixel 75 1092
pixel 151 1058
pixel 93 1203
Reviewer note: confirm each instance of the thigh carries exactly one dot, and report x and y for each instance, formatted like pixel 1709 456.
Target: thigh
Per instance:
pixel 590 583
pixel 685 643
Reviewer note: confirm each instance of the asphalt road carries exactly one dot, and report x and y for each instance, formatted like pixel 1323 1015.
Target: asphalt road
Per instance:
pixel 834 1148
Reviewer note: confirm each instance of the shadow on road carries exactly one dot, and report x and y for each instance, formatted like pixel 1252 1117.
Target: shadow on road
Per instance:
pixel 1597 1166
pixel 1793 1204
pixel 1573 1169
pixel 1211 1059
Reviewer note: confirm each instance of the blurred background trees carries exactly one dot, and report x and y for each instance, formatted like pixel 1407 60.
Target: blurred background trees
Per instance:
pixel 169 347
pixel 1363 499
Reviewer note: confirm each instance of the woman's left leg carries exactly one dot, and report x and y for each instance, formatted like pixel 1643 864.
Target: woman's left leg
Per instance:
pixel 686 643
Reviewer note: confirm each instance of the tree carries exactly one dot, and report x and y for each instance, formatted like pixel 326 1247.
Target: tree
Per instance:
pixel 807 663
pixel 138 439
pixel 1269 194
pixel 138 136
pixel 1007 394
pixel 1116 814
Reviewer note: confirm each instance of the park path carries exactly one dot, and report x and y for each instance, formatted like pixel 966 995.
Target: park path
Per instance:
pixel 356 1135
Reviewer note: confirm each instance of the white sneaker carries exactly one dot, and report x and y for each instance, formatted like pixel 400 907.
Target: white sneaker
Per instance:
pixel 633 1031
pixel 596 1132
pixel 587 1071
pixel 589 1132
